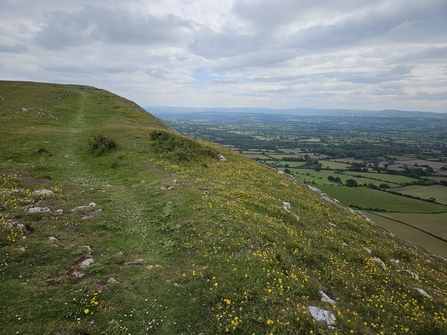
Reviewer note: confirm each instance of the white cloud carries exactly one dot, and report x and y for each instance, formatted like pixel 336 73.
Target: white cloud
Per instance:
pixel 281 54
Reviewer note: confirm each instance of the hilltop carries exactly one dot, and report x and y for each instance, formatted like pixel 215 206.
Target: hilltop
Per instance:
pixel 112 223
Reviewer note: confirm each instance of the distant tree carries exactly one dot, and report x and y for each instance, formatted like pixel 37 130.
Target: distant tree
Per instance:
pixel 384 186
pixel 351 183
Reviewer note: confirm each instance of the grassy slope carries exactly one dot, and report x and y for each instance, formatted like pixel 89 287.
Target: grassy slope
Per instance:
pixel 217 253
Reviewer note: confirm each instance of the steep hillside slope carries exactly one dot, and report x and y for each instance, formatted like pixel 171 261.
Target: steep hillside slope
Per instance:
pixel 113 224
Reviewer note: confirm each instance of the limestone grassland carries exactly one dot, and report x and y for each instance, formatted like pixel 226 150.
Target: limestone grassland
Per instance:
pixel 114 224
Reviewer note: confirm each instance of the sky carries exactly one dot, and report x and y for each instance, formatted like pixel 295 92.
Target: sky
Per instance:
pixel 350 54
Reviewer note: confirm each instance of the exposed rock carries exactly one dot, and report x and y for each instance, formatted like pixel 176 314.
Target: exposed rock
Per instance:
pixel 22 249
pixel 326 298
pixel 11 192
pixel 414 275
pixel 395 261
pixel 175 181
pixel 38 210
pixel 45 193
pixel 135 262
pixel 77 274
pixel 324 196
pixel 222 158
pixel 421 291
pixel 21 226
pixel 286 206
pixel 167 188
pixel 280 172
pixel 86 263
pixel 322 316
pixel 150 267
pixel 206 192
pixel 52 238
pixel 112 280
pixel 368 250
pixel 332 224
pixel 380 262
pixel 88 207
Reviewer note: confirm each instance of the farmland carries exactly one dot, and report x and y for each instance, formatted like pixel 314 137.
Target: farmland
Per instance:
pixel 389 162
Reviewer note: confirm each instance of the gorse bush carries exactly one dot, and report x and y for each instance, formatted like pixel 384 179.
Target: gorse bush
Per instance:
pixel 98 144
pixel 179 148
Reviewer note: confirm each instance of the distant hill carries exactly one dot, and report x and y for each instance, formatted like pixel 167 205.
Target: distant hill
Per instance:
pixel 112 223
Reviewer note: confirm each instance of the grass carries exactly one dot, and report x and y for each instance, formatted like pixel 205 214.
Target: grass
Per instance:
pixel 432 223
pixel 368 198
pixel 194 246
pixel 429 242
pixel 438 192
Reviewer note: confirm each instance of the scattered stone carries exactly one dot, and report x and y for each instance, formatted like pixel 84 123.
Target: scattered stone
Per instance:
pixel 88 207
pixel 77 274
pixel 23 237
pixel 324 196
pixel 52 238
pixel 90 250
pixel 45 193
pixel 150 267
pixel 414 275
pixel 167 188
pixel 135 262
pixel 344 243
pixel 175 181
pixel 22 249
pixel 112 280
pixel 368 250
pixel 222 158
pixel 322 316
pixel 21 226
pixel 119 253
pixel 380 262
pixel 86 263
pixel 177 285
pixel 286 206
pixel 332 224
pixel 11 192
pixel 326 298
pixel 421 291
pixel 58 211
pixel 280 172
pixel 206 192
pixel 38 210
pixel 395 261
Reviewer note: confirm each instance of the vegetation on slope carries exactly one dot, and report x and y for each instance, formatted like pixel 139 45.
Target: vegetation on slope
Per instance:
pixel 178 241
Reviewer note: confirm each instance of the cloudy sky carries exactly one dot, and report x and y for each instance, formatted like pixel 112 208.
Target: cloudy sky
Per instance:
pixel 354 54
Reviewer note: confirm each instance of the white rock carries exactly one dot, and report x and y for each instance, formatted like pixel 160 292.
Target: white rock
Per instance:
pixel 395 261
pixel 222 158
pixel 280 172
pixel 368 250
pixel 112 280
pixel 414 275
pixel 78 208
pixel 175 181
pixel 22 249
pixel 21 226
pixel 380 262
pixel 39 210
pixel 286 205
pixel 52 238
pixel 421 291
pixel 92 204
pixel 326 298
pixel 46 193
pixel 322 316
pixel 86 263
pixel 332 224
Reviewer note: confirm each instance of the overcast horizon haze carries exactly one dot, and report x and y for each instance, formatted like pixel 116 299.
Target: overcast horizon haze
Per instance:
pixel 284 54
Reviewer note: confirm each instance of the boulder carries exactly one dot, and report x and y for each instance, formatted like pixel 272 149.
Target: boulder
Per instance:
pixel 322 316
pixel 45 193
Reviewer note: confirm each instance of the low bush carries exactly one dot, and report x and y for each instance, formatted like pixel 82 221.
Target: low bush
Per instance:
pixel 179 148
pixel 99 144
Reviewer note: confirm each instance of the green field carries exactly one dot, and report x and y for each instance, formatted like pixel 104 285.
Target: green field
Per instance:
pixel 369 198
pixel 438 192
pixel 433 223
pixel 428 242
pixel 385 178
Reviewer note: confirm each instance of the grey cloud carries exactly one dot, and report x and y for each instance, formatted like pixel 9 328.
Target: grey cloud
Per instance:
pixel 110 25
pixel 256 59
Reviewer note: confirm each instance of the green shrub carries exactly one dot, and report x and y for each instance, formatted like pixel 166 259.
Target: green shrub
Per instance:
pixel 98 144
pixel 179 148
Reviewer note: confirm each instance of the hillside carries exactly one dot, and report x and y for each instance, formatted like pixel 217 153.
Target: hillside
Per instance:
pixel 114 224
